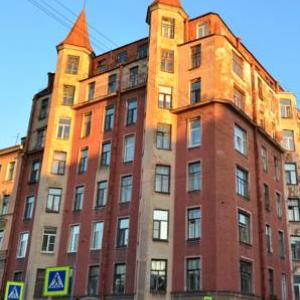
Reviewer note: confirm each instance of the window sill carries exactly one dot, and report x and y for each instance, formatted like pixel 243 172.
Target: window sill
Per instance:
pixel 121 247
pixel 130 124
pixel 158 292
pixel 194 192
pixel 159 240
pixel 129 162
pixel 248 245
pixel 241 153
pixel 51 212
pixel 125 203
pixel 163 193
pixel 194 146
pixel 100 207
pixel 193 241
pixel 247 198
pixel 194 68
pixel 47 253
pixel 95 250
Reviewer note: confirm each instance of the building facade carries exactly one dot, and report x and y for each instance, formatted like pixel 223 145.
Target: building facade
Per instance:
pixel 156 170
pixel 10 162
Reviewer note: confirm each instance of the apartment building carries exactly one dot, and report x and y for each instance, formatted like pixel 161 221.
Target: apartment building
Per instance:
pixel 289 124
pixel 10 161
pixel 156 171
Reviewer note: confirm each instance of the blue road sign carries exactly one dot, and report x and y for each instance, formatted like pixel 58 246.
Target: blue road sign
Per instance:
pixel 14 291
pixel 57 282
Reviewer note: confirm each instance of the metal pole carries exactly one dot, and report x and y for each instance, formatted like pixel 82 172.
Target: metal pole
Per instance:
pixel 73 282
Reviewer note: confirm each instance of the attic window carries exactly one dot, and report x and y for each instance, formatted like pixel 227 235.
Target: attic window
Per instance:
pixel 122 57
pixel 168 28
pixel 102 65
pixel 202 30
pixel 72 64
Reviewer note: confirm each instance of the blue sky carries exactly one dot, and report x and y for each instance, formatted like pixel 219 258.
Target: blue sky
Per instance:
pixel 270 29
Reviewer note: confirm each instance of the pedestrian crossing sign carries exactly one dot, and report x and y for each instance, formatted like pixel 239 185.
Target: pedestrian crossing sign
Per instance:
pixel 14 291
pixel 57 281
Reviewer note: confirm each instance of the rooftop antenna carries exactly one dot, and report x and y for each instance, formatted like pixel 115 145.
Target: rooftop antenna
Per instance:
pixel 84 4
pixel 17 138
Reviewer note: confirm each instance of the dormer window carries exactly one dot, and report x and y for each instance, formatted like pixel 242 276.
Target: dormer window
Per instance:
pixel 202 30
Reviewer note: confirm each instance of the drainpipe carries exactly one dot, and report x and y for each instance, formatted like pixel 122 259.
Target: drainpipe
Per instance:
pixel 112 179
pixel 260 205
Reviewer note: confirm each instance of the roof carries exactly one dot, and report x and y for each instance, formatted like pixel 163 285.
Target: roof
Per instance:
pixel 79 35
pixel 175 3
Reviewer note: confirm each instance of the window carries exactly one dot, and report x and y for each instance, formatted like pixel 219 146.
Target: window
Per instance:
pixel 196 56
pixel 297 286
pixel 59 163
pixel 91 90
pixel 23 243
pixel 143 51
pixel 122 57
pixel 18 276
pixel 202 30
pixel 295 243
pixel 158 279
pixel 246 277
pixel 288 140
pixel 165 97
pixel 193 274
pixel 194 224
pixel 195 91
pixel 194 133
pixel 281 244
pixel 240 140
pixel 194 176
pixel 97 236
pixel 291 174
pixel 123 233
pixel 106 151
pixel 5 205
pixel 131 112
pixel 102 65
pixel 160 225
pixel 79 197
pixel 112 84
pixel 93 281
pixel 10 171
pixel 294 210
pixel 168 28
pixel 266 196
pixel 40 138
pixel 162 179
pixel 264 159
pixel 126 189
pixel 269 238
pixel 39 283
pixel 134 76
pixel 242 182
pixel 29 205
pixel 271 282
pixel 64 127
pixel 244 228
pixel 34 172
pixel 53 200
pixel 1 238
pixel 49 237
pixel 68 95
pixel 74 238
pixel 72 64
pixel 109 118
pixel 277 168
pixel 167 61
pixel 283 287
pixel 119 278
pixel 260 88
pixel 83 161
pixel 129 145
pixel 163 136
pixel 237 64
pixel 86 125
pixel 101 194
pixel 239 98
pixel 278 205
pixel 285 108
pixel 44 109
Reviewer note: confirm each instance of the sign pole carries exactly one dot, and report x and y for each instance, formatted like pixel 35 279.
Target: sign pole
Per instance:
pixel 73 282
